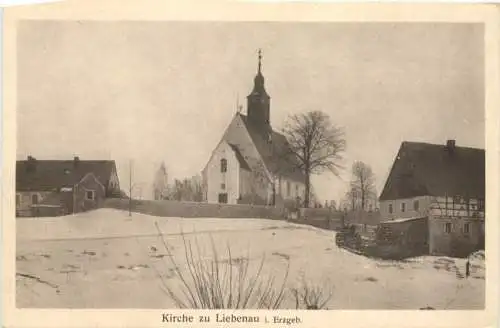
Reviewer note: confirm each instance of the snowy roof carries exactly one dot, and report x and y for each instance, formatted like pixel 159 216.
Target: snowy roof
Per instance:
pixel 422 169
pixel 45 205
pixel 403 220
pixel 243 163
pixel 52 175
pixel 274 152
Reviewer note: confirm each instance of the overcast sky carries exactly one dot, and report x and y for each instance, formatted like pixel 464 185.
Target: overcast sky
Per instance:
pixel 163 91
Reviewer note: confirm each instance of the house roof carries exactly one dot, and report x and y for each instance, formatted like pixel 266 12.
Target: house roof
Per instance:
pixel 402 220
pixel 243 163
pixel 437 170
pixel 52 175
pixel 274 152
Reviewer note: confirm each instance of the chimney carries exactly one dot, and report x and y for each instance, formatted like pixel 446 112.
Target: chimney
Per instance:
pixel 31 166
pixel 450 145
pixel 76 161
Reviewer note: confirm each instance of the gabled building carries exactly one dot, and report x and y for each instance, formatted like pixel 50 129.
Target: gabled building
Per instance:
pixel 444 184
pixel 54 187
pixel 252 163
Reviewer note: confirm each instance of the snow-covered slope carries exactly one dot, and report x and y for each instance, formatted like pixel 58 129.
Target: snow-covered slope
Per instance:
pixel 106 259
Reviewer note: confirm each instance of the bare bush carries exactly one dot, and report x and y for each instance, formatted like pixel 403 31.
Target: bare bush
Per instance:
pixel 217 283
pixel 311 297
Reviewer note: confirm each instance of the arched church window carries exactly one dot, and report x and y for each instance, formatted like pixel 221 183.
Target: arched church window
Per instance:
pixel 223 165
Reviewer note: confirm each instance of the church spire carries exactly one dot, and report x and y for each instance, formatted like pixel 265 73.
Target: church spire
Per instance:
pixel 258 86
pixel 258 100
pixel 260 61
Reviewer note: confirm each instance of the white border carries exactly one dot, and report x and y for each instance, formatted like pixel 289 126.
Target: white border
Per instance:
pixel 231 11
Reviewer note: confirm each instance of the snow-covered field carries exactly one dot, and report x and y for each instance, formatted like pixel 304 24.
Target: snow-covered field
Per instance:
pixel 106 259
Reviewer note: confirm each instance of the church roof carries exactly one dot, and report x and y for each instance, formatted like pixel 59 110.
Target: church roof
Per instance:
pixel 273 148
pixel 274 152
pixel 422 169
pixel 243 163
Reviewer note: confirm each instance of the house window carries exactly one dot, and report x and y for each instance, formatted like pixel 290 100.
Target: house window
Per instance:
pixel 447 227
pixel 90 195
pixel 296 190
pixel 223 165
pixel 223 186
pixel 390 208
pixel 466 227
pixel 223 198
pixel 34 199
pixel 403 207
pixel 480 205
pixel 288 188
pixel 416 205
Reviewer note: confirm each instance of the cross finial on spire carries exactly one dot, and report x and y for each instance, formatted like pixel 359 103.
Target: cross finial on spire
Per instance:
pixel 238 106
pixel 260 59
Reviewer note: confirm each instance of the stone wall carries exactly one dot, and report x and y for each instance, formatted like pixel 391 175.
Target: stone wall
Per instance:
pixel 169 208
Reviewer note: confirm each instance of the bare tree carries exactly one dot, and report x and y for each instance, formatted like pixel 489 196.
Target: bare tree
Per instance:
pixel 130 186
pixel 197 188
pixel 160 185
pixel 351 200
pixel 362 183
pixel 316 145
pixel 188 189
pixel 133 187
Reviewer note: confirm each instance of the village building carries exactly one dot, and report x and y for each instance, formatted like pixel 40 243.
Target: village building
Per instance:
pixel 442 186
pixel 61 187
pixel 252 163
pixel 160 184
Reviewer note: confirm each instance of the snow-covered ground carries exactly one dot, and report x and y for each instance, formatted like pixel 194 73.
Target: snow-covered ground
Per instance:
pixel 106 259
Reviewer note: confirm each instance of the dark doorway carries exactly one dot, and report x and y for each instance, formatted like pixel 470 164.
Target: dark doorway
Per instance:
pixel 223 198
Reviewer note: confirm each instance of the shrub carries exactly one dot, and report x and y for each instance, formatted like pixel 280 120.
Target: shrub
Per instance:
pixel 311 297
pixel 222 284
pixel 372 279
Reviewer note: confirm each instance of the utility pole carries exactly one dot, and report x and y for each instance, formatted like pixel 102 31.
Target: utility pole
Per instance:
pixel 130 190
pixel 74 198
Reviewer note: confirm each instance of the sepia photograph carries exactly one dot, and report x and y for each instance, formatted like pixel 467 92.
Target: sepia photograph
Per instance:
pixel 250 165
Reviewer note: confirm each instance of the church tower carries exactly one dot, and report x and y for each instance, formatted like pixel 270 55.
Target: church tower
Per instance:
pixel 258 101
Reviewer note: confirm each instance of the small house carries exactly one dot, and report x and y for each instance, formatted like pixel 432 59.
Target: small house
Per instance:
pixel 61 187
pixel 446 185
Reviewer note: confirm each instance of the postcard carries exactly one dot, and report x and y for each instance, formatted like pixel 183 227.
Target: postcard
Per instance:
pixel 238 164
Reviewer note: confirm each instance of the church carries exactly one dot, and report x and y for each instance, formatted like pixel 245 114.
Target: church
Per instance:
pixel 252 163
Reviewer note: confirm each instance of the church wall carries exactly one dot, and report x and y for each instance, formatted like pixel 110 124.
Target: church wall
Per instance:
pixel 257 181
pixel 290 189
pixel 245 182
pixel 223 182
pixel 252 189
